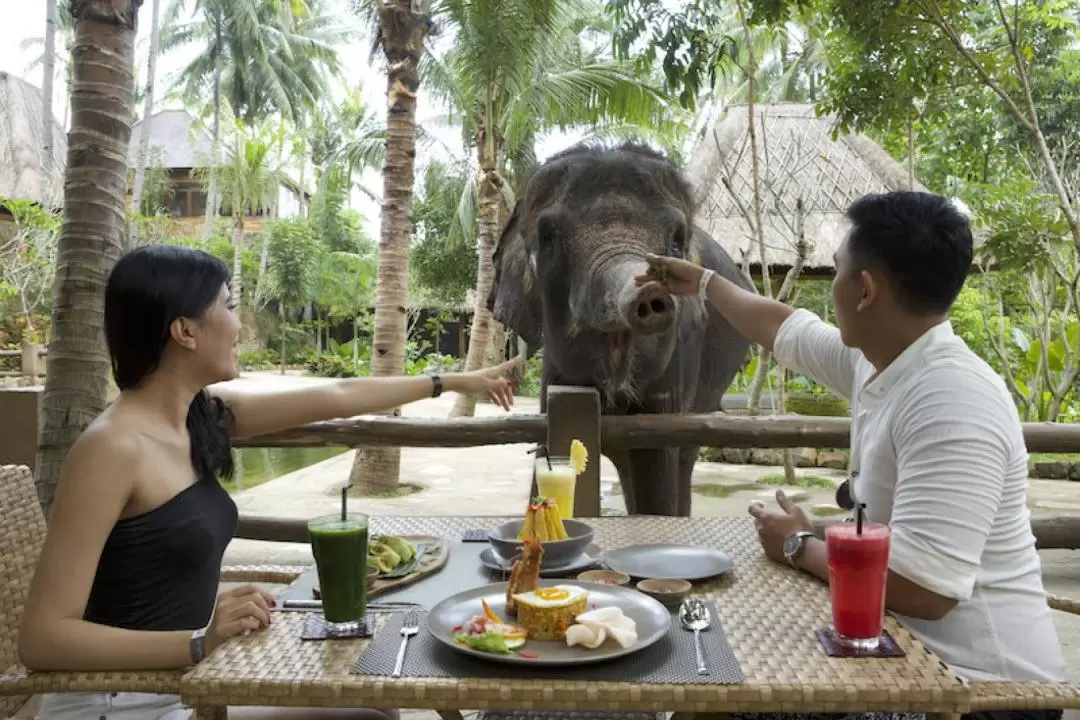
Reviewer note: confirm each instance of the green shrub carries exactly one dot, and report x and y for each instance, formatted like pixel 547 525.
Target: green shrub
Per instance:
pixel 331 366
pixel 811 403
pixel 262 359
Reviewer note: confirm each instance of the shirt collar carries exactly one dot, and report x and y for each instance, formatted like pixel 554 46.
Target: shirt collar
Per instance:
pixel 880 383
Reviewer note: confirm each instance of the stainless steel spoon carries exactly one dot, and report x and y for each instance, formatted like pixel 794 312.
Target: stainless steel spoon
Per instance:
pixel 695 616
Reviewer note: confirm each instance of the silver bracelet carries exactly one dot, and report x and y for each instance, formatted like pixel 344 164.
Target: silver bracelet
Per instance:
pixel 703 285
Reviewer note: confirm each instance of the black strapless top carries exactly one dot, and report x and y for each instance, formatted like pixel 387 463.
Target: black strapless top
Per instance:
pixel 160 570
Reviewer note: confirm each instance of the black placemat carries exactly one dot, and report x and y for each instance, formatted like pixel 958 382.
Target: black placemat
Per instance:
pixel 669 661
pixel 315 628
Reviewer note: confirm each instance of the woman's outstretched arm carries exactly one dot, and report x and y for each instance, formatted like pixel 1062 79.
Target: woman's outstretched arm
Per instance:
pixel 259 412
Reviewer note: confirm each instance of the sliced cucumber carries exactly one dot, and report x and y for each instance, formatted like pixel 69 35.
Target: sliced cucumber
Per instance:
pixel 514 643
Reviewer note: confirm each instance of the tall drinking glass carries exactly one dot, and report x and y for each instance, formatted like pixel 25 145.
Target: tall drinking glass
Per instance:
pixel 340 547
pixel 858 570
pixel 558 482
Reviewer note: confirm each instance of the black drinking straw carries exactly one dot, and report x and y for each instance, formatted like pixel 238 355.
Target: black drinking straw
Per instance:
pixel 859 509
pixel 345 501
pixel 540 451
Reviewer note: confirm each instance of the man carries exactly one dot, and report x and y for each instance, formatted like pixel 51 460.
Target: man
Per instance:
pixel 937 448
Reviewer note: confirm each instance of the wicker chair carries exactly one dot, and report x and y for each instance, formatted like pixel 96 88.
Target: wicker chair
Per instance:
pixel 22 535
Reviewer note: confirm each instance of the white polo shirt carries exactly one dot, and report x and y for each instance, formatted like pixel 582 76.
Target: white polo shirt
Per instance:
pixel 938 453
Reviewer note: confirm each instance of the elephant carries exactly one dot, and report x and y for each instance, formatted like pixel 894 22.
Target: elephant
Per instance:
pixel 564 280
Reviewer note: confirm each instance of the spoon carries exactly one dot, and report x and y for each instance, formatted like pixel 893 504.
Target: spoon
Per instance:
pixel 695 616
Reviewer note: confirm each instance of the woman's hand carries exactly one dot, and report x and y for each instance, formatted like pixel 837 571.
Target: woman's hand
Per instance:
pixel 242 608
pixel 678 276
pixel 490 381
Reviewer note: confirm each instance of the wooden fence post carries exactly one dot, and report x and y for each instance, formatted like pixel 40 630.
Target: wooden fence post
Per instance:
pixel 574 413
pixel 31 361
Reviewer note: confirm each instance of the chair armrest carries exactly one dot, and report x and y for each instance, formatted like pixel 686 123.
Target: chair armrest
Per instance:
pixel 18 680
pixel 1064 604
pixel 1024 696
pixel 276 574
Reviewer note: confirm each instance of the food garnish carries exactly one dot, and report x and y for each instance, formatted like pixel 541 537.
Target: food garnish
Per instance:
pixel 488 633
pixel 579 456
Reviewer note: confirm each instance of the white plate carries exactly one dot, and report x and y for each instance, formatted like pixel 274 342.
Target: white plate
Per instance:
pixel 652 619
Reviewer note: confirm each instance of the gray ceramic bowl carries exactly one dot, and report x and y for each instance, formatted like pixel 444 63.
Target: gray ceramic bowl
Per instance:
pixel 505 544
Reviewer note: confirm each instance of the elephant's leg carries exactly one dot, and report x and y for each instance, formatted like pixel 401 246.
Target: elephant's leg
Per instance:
pixel 683 496
pixel 653 487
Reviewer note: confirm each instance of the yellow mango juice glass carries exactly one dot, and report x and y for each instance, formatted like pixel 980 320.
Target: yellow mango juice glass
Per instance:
pixel 557 482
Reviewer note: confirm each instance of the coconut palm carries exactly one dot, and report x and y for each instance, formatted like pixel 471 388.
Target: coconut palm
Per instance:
pixel 520 68
pixel 142 157
pixel 262 56
pixel 95 185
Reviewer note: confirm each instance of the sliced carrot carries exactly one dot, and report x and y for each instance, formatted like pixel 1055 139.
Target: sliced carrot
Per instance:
pixel 488 611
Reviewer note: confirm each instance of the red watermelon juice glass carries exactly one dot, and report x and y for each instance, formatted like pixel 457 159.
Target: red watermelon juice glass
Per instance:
pixel 858 555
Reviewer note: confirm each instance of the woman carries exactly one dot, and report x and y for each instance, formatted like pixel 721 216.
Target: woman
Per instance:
pixel 130 567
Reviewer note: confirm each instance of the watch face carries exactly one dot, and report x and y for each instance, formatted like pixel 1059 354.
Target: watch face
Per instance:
pixel 792 545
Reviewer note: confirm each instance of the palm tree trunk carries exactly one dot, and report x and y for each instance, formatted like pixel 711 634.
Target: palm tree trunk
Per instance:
pixel 49 69
pixel 212 187
pixel 141 157
pixel 91 239
pixel 236 282
pixel 402 35
pixel 486 236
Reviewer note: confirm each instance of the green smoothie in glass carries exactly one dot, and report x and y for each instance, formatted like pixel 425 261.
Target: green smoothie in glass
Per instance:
pixel 341 548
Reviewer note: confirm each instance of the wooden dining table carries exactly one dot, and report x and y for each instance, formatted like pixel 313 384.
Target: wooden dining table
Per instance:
pixel 768 612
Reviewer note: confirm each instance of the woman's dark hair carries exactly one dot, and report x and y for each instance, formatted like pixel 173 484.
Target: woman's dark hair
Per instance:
pixel 148 289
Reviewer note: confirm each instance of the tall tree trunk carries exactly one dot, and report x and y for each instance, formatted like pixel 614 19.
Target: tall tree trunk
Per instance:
pixel 236 284
pixel 402 35
pixel 49 69
pixel 91 239
pixel 142 156
pixel 487 235
pixel 212 191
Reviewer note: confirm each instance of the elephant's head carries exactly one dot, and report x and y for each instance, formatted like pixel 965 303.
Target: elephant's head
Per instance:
pixel 566 261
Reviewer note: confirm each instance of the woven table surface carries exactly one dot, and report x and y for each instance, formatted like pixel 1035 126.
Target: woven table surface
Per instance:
pixel 769 614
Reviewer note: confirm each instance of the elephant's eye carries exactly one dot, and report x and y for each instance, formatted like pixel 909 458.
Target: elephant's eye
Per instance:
pixel 676 245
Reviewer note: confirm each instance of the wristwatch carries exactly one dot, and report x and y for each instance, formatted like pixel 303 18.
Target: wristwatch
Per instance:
pixel 794 545
pixel 197 645
pixel 437 386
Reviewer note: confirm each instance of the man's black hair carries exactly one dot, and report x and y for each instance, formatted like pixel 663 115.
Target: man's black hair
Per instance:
pixel 921 241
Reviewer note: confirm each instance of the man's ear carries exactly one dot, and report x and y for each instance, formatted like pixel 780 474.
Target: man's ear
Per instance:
pixel 181 330
pixel 870 285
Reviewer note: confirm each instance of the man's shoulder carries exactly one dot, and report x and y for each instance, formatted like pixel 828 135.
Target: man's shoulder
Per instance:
pixel 950 370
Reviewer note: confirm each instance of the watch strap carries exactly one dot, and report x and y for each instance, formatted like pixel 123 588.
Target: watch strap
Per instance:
pixel 703 284
pixel 437 386
pixel 197 646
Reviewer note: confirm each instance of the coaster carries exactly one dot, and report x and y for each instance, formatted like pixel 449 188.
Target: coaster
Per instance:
pixel 474 535
pixel 315 629
pixel 886 648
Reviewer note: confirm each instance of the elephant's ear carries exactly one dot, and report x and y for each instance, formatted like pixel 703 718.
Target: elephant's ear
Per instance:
pixel 515 298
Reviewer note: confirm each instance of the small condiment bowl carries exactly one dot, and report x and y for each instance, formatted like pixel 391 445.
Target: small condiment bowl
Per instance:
pixel 607 577
pixel 372 574
pixel 668 592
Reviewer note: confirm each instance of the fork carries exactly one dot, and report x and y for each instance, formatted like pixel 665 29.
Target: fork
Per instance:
pixel 409 627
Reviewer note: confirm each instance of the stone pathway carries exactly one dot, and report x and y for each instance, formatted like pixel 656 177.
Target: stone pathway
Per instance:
pixel 496 478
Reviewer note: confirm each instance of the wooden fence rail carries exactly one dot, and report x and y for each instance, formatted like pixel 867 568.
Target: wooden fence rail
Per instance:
pixel 616 432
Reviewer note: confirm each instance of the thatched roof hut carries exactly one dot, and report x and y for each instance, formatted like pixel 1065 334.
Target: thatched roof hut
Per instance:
pixel 798 159
pixel 22 134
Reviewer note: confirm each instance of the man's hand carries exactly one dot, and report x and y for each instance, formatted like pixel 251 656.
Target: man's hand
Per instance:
pixel 775 527
pixel 678 276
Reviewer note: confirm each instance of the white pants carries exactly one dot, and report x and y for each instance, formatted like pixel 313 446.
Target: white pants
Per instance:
pixel 112 706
